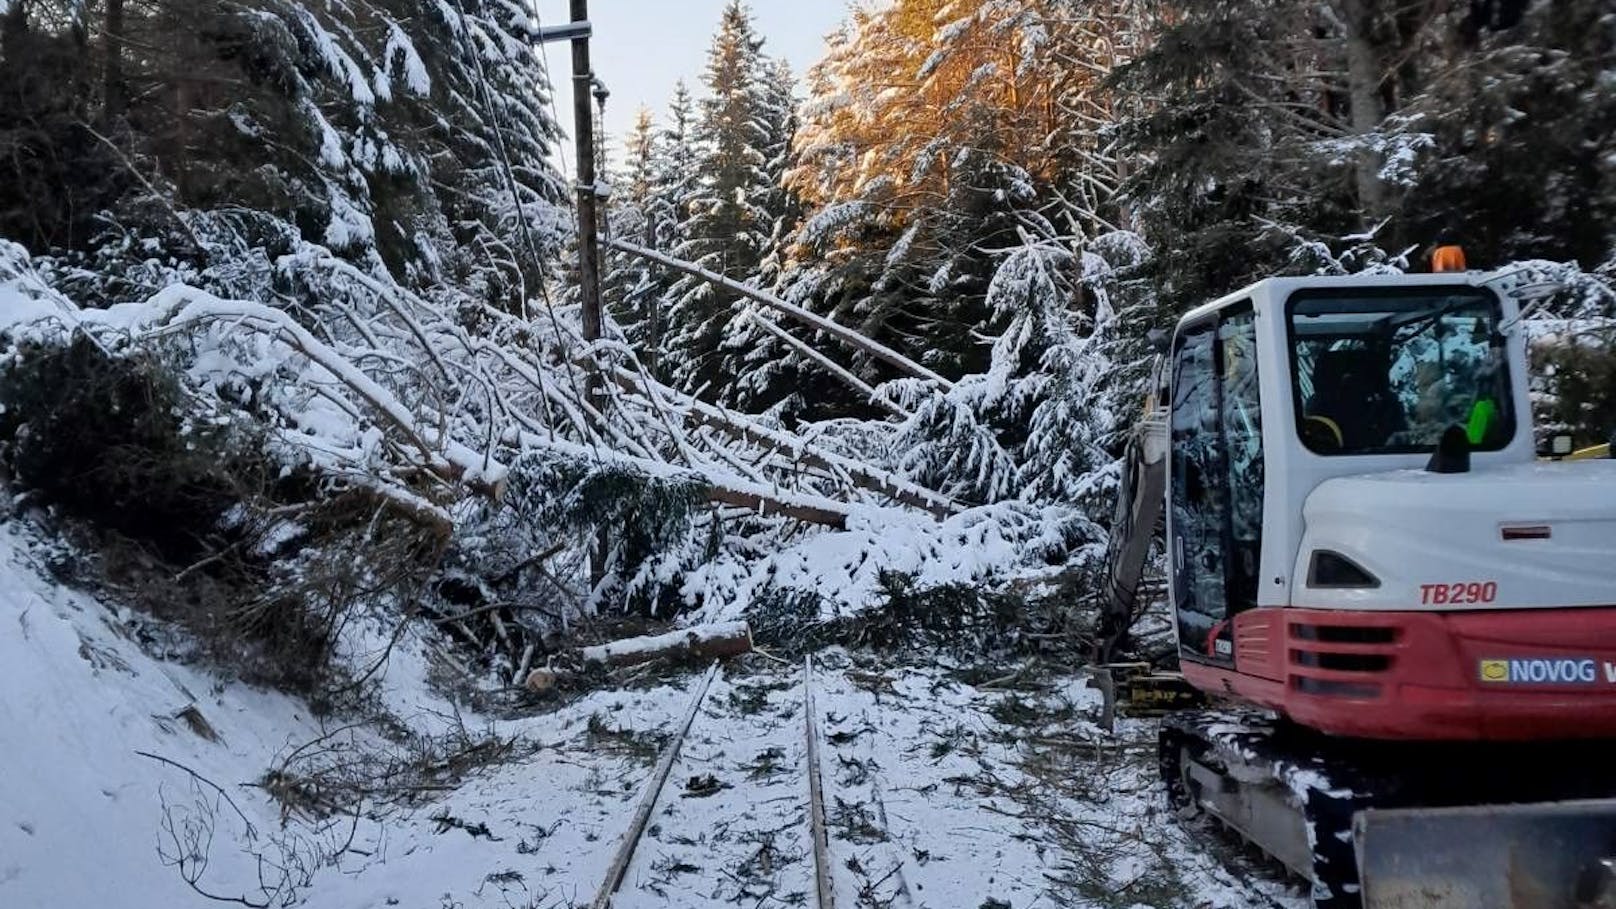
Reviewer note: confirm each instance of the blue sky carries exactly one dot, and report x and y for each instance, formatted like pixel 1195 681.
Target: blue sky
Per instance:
pixel 641 47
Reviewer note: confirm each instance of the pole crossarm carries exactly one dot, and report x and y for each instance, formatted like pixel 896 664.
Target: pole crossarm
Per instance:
pixel 571 31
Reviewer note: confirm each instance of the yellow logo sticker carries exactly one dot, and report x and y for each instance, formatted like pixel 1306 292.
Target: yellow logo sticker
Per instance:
pixel 1495 670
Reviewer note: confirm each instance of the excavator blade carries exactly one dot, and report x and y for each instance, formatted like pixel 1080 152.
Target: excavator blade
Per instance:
pixel 1553 855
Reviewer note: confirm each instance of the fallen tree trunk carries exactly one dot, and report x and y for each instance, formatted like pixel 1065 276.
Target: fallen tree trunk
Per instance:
pixel 826 363
pixel 700 413
pixel 763 506
pixel 706 642
pixel 813 320
pixel 720 490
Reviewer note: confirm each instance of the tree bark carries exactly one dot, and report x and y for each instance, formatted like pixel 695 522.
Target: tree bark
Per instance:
pixel 113 101
pixel 759 504
pixel 1364 78
pixel 706 642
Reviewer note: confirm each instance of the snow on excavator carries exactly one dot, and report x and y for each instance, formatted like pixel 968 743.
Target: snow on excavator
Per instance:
pixel 1404 620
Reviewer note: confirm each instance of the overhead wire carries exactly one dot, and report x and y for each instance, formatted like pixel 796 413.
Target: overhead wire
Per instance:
pixel 497 121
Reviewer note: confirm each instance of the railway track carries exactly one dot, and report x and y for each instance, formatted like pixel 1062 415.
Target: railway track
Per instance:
pixel 761 796
pixel 823 785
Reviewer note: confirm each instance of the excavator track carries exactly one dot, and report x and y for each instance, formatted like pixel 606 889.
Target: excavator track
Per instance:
pixel 1237 769
pixel 1432 826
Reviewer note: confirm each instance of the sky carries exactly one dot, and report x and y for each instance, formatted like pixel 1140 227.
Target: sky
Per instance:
pixel 641 47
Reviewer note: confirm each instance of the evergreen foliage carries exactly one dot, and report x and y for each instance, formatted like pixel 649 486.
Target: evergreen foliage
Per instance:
pixel 118 441
pixel 409 134
pixel 727 228
pixel 652 518
pixel 764 372
pixel 1278 136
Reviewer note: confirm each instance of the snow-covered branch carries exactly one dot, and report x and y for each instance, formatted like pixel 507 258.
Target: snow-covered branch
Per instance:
pixel 813 320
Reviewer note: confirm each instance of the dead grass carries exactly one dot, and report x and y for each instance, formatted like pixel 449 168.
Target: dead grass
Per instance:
pixel 349 770
pixel 639 745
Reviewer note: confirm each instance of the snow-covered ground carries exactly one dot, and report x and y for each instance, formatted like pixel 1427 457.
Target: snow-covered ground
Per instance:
pixel 126 774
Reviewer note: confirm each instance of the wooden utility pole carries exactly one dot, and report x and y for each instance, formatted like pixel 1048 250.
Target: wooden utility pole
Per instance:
pixel 583 128
pixel 583 78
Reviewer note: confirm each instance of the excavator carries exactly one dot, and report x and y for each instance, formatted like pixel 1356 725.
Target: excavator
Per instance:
pixel 1397 619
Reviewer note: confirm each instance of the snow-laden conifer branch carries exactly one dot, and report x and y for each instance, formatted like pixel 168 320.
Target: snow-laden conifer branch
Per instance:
pixel 384 388
pixel 752 432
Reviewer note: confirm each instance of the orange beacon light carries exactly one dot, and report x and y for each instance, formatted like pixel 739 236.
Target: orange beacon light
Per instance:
pixel 1448 257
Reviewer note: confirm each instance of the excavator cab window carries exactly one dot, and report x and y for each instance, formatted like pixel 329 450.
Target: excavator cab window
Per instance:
pixel 1240 405
pixel 1387 372
pixel 1216 489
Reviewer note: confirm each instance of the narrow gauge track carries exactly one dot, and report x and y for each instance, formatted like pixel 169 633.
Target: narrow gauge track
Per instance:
pixel 653 790
pixel 755 796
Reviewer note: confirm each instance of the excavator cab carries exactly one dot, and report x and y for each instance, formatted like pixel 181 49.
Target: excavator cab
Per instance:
pixel 1295 383
pixel 1362 546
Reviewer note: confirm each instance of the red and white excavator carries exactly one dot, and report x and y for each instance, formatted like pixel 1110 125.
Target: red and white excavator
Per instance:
pixel 1404 619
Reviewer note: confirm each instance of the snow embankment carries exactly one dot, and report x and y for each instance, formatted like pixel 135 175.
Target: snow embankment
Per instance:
pixel 128 778
pixel 87 721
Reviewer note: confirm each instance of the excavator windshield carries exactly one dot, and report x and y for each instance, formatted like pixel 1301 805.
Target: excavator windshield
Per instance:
pixel 1387 372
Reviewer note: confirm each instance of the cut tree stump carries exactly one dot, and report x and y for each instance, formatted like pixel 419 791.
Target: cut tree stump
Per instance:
pixel 707 642
pixel 543 681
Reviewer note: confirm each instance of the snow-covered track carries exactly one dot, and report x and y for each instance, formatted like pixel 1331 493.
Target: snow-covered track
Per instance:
pixel 823 886
pixel 875 866
pixel 750 821
pixel 737 822
pixel 648 801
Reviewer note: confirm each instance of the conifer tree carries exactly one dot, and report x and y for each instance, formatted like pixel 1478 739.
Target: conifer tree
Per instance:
pixel 665 162
pixel 1521 161
pixel 778 110
pixel 924 146
pixel 676 152
pixel 1307 130
pixel 640 176
pixel 728 226
pixel 767 371
pixel 406 135
pixel 628 289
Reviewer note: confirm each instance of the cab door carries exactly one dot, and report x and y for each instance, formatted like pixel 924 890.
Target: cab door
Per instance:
pixel 1215 488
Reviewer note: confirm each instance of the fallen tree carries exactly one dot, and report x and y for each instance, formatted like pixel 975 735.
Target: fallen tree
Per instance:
pixel 709 642
pixel 698 642
pixel 826 363
pixel 812 320
pixel 428 404
pixel 699 413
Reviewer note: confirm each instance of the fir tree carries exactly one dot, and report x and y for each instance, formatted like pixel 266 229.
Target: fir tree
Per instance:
pixel 1521 132
pixel 662 178
pixel 728 227
pixel 778 108
pixel 640 149
pixel 768 373
pixel 1276 129
pixel 676 152
pixel 409 136
pixel 629 290
pixel 925 145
